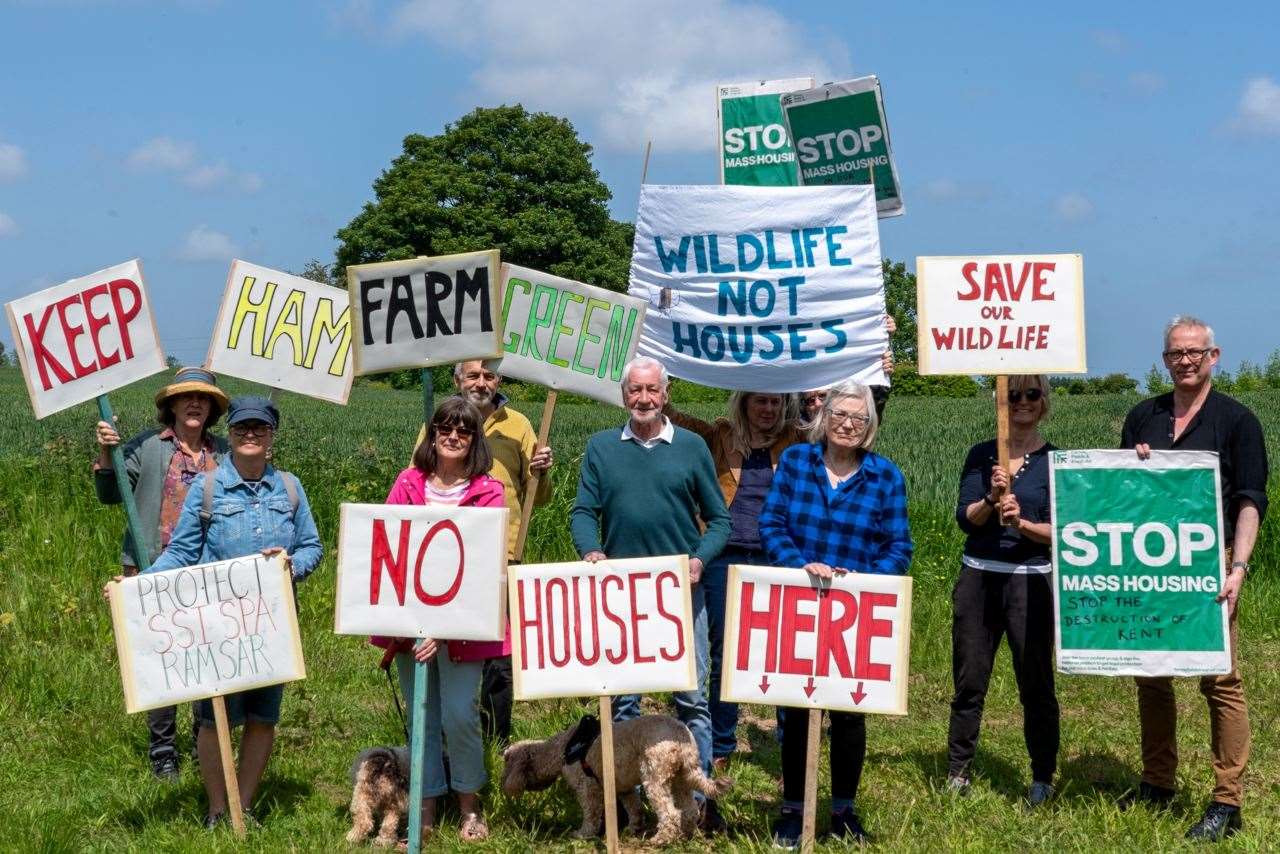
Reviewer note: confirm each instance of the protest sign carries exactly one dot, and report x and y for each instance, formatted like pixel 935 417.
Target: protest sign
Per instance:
pixel 773 289
pixel 85 338
pixel 283 331
pixel 1000 314
pixel 567 335
pixel 187 634
pixel 422 571
pixel 794 640
pixel 425 311
pixel 841 136
pixel 1137 563
pixel 612 627
pixel 753 143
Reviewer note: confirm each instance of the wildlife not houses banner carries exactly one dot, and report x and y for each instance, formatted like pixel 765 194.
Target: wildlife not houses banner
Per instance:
pixel 775 289
pixel 1137 563
pixel 841 136
pixel 567 335
pixel 794 640
pixel 283 331
pixel 614 627
pixel 422 571
pixel 753 144
pixel 85 337
pixel 186 634
pixel 1000 314
pixel 425 311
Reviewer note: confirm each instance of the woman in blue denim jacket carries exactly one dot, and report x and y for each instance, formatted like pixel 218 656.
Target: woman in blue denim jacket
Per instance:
pixel 252 511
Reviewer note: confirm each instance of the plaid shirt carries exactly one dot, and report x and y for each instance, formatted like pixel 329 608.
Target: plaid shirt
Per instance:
pixel 861 526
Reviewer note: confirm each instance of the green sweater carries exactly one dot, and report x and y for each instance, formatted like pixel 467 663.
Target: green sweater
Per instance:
pixel 648 502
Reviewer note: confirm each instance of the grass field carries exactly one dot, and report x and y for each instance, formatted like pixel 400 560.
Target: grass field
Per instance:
pixel 73 770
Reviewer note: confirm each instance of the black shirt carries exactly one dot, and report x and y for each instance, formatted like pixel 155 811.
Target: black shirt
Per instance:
pixel 993 541
pixel 754 480
pixel 1223 425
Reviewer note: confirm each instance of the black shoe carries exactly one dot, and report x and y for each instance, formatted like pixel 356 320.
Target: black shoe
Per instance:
pixel 1219 822
pixel 211 822
pixel 1039 794
pixel 709 819
pixel 1154 796
pixel 846 825
pixel 787 829
pixel 165 769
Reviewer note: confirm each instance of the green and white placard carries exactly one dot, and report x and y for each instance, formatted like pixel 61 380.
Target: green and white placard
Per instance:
pixel 753 144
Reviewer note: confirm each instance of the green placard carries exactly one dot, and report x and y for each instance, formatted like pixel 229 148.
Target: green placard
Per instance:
pixel 754 148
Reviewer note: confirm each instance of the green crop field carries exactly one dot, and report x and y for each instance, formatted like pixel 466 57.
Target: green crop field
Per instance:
pixel 73 769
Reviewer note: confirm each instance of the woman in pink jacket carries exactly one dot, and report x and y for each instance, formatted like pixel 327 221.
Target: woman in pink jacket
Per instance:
pixel 449 467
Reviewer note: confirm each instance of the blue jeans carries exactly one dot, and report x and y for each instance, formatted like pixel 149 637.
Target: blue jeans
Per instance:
pixel 691 706
pixel 451 711
pixel 715 578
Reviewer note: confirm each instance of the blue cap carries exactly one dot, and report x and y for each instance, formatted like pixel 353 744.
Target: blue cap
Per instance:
pixel 253 408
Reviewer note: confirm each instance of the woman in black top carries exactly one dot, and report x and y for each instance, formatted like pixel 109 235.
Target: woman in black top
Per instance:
pixel 1004 588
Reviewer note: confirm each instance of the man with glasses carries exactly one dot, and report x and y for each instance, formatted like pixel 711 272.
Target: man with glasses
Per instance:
pixel 1194 417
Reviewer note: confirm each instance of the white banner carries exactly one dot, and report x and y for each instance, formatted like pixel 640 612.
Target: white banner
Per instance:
pixel 422 571
pixel 283 331
pixel 85 337
pixel 792 640
pixel 217 628
pixel 613 627
pixel 773 289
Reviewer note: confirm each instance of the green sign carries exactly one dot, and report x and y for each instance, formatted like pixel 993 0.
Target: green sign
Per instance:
pixel 753 145
pixel 1138 562
pixel 841 136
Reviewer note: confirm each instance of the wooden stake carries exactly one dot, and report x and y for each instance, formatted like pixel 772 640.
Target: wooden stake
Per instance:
pixel 228 765
pixel 125 488
pixel 610 786
pixel 1002 425
pixel 531 491
pixel 644 173
pixel 809 827
pixel 418 703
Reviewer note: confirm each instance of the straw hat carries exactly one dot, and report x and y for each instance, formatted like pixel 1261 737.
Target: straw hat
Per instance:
pixel 194 380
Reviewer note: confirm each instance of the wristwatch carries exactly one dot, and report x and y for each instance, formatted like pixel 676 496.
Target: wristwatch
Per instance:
pixel 1243 566
pixel 986 499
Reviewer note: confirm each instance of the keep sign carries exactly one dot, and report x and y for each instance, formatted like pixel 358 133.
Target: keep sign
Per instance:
pixel 422 571
pixel 791 640
pixel 425 311
pixel 85 337
pixel 612 627
pixel 283 331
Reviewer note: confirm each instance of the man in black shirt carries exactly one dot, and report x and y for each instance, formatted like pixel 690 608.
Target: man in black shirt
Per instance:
pixel 1194 417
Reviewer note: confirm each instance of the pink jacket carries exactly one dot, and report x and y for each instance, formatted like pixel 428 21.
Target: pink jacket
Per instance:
pixel 483 491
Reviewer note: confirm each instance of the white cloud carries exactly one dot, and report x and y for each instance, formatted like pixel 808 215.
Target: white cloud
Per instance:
pixel 1147 83
pixel 13 162
pixel 8 227
pixel 649 70
pixel 1073 207
pixel 1109 39
pixel 1259 109
pixel 166 154
pixel 208 176
pixel 204 244
pixel 249 182
pixel 163 154
pixel 942 188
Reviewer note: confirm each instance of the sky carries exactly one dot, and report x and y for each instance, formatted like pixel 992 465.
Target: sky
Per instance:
pixel 1145 136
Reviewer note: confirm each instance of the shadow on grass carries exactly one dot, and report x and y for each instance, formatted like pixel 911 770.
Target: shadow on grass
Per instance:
pixel 1086 775
pixel 1000 774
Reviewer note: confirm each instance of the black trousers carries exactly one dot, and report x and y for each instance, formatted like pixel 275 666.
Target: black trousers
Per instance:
pixel 162 727
pixel 848 750
pixel 496 692
pixel 985 607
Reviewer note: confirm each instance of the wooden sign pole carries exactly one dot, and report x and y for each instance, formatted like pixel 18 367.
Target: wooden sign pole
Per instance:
pixel 531 491
pixel 1002 425
pixel 228 765
pixel 418 708
pixel 809 827
pixel 608 782
pixel 125 488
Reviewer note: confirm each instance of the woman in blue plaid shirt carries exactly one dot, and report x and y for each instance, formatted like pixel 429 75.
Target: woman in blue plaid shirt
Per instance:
pixel 834 507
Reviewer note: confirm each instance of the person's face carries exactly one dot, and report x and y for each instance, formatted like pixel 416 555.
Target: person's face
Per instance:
pixel 251 439
pixel 477 383
pixel 763 411
pixel 644 395
pixel 813 401
pixel 1022 409
pixel 453 442
pixel 1189 357
pixel 847 423
pixel 191 409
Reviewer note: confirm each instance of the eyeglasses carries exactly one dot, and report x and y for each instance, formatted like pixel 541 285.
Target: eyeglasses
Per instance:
pixel 455 430
pixel 857 419
pixel 1195 356
pixel 1031 394
pixel 259 428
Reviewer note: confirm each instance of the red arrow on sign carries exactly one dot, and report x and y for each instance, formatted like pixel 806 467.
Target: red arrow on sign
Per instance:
pixel 764 684
pixel 858 695
pixel 809 688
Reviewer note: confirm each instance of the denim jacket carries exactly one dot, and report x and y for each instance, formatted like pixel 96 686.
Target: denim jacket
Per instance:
pixel 244 522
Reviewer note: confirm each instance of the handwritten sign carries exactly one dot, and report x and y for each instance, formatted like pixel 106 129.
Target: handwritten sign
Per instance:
pixel 567 335
pixel 590 629
pixel 425 311
pixel 1001 314
pixel 754 146
pixel 217 628
pixel 422 571
pixel 774 289
pixel 843 645
pixel 283 331
pixel 85 337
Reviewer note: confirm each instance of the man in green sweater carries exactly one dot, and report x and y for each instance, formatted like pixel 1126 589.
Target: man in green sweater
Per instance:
pixel 642 493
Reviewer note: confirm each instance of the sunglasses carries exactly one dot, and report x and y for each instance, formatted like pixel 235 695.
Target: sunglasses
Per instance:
pixel 455 430
pixel 1031 394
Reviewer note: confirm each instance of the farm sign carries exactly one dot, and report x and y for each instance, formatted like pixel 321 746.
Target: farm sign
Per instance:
pixel 774 289
pixel 791 640
pixel 754 148
pixel 85 337
pixel 1138 563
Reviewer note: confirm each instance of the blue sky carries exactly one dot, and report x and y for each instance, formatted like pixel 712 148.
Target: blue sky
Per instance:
pixel 1145 136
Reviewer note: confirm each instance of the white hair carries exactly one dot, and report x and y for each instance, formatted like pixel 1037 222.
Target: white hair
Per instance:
pixel 1180 320
pixel 643 363
pixel 491 364
pixel 842 391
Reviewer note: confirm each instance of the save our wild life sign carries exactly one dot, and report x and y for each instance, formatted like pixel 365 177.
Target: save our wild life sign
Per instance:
pixel 775 289
pixel 795 640
pixel 753 143
pixel 590 629
pixel 1138 563
pixel 1000 314
pixel 422 571
pixel 841 136
pixel 425 311
pixel 85 337
pixel 567 335
pixel 186 634
pixel 283 331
